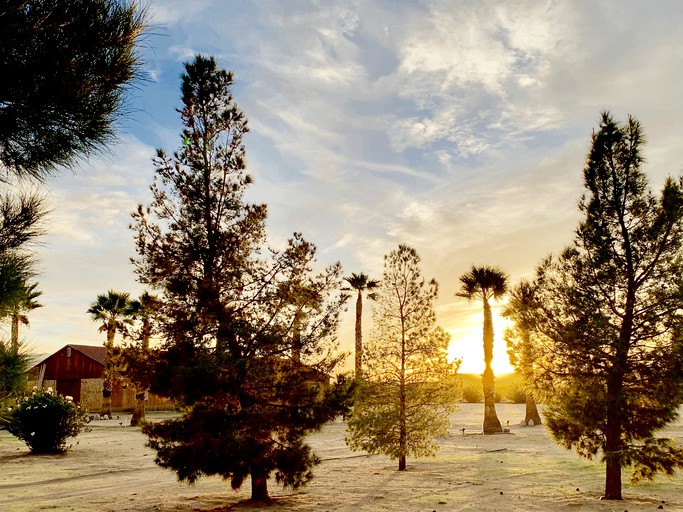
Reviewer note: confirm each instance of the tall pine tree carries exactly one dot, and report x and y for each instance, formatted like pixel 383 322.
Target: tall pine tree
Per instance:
pixel 610 315
pixel 248 332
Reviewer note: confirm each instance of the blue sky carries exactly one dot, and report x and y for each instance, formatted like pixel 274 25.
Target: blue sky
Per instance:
pixel 457 127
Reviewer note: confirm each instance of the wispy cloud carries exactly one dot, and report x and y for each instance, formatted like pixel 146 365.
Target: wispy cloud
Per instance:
pixel 458 127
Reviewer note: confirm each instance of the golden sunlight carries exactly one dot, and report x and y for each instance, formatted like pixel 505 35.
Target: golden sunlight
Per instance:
pixel 467 344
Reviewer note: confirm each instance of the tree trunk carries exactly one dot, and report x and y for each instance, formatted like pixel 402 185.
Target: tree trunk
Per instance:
pixel 259 488
pixel 15 333
pixel 402 432
pixel 531 411
pixel 296 338
pixel 612 479
pixel 139 410
pixel 359 336
pixel 108 376
pixel 106 401
pixel 491 421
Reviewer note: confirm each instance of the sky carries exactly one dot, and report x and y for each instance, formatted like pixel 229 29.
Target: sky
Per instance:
pixel 458 127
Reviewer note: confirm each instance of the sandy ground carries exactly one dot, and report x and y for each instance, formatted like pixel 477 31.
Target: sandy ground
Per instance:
pixel 110 469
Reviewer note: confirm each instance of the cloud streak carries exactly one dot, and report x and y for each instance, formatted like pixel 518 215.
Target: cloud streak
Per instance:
pixel 458 127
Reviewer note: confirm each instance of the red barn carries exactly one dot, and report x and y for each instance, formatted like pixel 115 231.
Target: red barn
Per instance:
pixel 77 371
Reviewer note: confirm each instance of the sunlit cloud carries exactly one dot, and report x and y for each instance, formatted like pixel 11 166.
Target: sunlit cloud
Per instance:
pixel 460 128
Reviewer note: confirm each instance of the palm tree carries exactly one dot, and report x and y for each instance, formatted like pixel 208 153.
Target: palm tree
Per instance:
pixel 361 283
pixel 486 283
pixel 145 308
pixel 520 309
pixel 113 310
pixel 26 302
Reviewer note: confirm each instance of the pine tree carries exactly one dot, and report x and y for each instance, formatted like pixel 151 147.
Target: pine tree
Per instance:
pixel 248 332
pixel 521 308
pixel 66 66
pixel 135 356
pixel 409 387
pixel 612 353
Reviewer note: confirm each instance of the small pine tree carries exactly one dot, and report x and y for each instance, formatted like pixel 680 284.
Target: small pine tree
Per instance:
pixel 409 387
pixel 521 309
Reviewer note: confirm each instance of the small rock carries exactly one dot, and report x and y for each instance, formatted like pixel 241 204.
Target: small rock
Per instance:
pixel 577 489
pixel 105 417
pixel 531 423
pixel 501 493
pixel 522 423
pixel 660 507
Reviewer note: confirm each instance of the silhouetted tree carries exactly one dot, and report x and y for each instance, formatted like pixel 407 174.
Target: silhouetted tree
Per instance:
pixel 361 283
pixel 485 284
pixel 144 310
pixel 25 303
pixel 113 310
pixel 521 309
pixel 612 353
pixel 409 389
pixel 21 222
pixel 65 67
pixel 247 333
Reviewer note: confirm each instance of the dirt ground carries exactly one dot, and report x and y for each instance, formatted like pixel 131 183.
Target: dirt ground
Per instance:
pixel 109 469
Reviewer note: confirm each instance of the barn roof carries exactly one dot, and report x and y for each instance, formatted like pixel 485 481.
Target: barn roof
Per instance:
pixel 96 353
pixel 93 352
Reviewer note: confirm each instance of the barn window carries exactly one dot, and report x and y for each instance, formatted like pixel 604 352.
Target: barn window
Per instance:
pixel 68 351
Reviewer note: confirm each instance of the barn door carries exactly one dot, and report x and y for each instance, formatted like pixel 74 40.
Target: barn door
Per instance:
pixel 70 387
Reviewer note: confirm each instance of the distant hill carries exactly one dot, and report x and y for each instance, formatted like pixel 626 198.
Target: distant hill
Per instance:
pixel 504 383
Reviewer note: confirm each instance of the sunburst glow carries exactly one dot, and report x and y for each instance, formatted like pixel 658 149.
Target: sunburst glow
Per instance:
pixel 467 344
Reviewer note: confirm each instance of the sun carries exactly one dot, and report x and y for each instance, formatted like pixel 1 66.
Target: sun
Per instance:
pixel 466 344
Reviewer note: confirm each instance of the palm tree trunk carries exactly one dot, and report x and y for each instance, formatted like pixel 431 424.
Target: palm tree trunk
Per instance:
pixel 108 377
pixel 139 409
pixel 359 336
pixel 491 421
pixel 15 333
pixel 531 411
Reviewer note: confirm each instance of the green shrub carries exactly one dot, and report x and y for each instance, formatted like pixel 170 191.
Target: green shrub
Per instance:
pixel 516 395
pixel 472 394
pixel 45 420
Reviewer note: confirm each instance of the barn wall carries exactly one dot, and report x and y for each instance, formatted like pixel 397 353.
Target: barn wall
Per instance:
pixel 91 394
pixel 69 363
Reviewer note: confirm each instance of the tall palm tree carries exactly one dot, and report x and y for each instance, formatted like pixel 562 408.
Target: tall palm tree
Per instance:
pixel 113 310
pixel 361 283
pixel 144 309
pixel 520 309
pixel 26 302
pixel 486 283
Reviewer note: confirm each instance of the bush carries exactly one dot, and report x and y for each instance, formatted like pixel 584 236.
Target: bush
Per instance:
pixel 516 395
pixel 13 368
pixel 472 394
pixel 45 420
